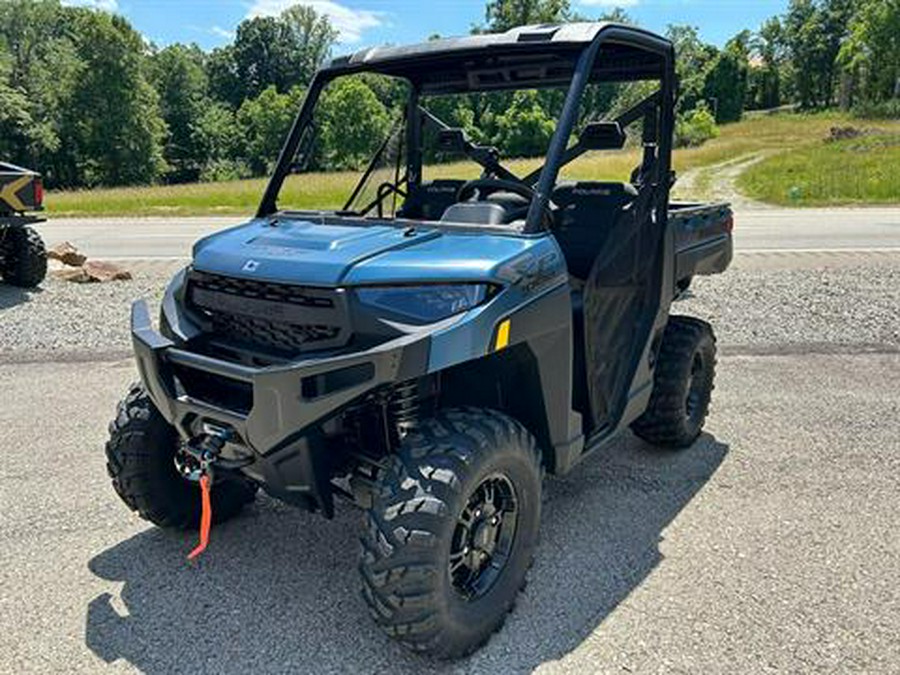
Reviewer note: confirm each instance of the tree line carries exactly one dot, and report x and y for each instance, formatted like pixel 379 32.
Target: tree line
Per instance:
pixel 86 100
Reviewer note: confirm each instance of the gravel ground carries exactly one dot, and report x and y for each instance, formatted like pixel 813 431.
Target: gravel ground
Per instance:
pixel 791 310
pixel 769 545
pixel 751 307
pixel 64 318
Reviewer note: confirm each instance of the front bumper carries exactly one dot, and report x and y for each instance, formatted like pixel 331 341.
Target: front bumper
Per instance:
pixel 276 441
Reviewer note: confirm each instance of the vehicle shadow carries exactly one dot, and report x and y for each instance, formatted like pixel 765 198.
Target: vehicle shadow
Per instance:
pixel 277 590
pixel 11 296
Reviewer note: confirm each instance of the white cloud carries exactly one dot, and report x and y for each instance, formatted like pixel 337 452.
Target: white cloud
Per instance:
pixel 609 3
pixel 350 23
pixel 106 5
pixel 218 31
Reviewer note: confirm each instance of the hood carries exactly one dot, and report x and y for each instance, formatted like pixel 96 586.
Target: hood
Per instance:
pixel 302 252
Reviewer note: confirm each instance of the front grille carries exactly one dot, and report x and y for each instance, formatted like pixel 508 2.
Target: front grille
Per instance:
pixel 269 317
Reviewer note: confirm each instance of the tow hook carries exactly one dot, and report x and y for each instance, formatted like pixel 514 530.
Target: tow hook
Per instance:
pixel 207 448
pixel 206 451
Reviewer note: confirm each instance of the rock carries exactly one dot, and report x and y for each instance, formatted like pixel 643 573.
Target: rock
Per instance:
pixel 74 274
pixel 844 134
pixel 94 270
pixel 67 254
pixel 106 271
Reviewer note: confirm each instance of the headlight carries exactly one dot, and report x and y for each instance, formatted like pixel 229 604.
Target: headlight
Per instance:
pixel 426 304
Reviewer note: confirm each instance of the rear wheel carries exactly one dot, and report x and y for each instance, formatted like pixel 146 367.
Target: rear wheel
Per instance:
pixel 140 457
pixel 682 385
pixel 23 258
pixel 452 531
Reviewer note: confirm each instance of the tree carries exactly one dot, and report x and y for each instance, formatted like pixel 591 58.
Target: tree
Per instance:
pixel 725 80
pixel 766 76
pixel 617 15
pixel 113 119
pixel 221 142
pixel 872 51
pixel 312 36
pixel 178 75
pixel 224 82
pixel 814 32
pixel 41 71
pixel 263 56
pixel 525 128
pixel 501 15
pixel 352 123
pixel 282 51
pixel 15 120
pixel 264 122
pixel 694 59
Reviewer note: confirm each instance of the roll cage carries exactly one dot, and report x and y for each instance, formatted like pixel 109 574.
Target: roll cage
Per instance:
pixel 572 55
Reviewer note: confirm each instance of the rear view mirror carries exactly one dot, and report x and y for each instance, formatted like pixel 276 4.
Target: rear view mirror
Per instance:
pixel 452 140
pixel 602 136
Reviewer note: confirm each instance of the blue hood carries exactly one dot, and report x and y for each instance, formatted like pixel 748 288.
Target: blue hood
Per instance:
pixel 305 253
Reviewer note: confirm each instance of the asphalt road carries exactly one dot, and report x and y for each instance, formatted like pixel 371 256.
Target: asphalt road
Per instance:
pixel 756 230
pixel 770 545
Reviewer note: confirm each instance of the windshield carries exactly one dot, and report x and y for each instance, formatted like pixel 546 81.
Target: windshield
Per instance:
pixel 370 146
pixel 352 145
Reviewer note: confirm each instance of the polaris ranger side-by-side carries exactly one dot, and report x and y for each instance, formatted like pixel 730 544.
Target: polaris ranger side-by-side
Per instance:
pixel 431 349
pixel 23 259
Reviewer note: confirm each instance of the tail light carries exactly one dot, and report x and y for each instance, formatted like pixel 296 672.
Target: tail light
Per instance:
pixel 729 224
pixel 38 193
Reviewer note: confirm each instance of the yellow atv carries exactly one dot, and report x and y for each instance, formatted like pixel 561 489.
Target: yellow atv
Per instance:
pixel 23 258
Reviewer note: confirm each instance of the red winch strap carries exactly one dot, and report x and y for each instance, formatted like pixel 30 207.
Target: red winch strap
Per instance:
pixel 205 517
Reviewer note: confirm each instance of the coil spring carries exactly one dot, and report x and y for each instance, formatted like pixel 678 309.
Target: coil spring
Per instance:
pixel 404 407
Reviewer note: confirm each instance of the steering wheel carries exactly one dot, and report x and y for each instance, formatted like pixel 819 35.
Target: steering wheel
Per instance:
pixel 488 186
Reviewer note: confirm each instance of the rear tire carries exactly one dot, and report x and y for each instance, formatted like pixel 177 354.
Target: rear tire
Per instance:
pixel 23 258
pixel 682 385
pixel 140 457
pixel 452 531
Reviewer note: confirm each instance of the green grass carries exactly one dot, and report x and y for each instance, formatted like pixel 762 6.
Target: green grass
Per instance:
pixel 789 132
pixel 858 171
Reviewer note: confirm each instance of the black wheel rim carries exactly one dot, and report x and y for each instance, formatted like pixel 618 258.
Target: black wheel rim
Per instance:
pixel 484 537
pixel 696 390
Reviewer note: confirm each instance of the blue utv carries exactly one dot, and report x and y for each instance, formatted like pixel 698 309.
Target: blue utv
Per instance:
pixel 460 325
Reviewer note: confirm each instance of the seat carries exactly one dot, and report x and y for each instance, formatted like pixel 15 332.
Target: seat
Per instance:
pixel 431 199
pixel 587 212
pixel 475 213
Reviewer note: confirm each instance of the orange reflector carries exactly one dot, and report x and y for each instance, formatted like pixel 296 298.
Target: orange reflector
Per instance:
pixel 502 336
pixel 205 518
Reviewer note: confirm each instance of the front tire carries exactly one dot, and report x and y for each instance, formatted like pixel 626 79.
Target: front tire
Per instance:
pixel 140 457
pixel 682 385
pixel 452 531
pixel 23 259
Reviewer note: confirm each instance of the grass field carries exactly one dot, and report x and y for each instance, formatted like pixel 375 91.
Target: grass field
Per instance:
pixel 802 136
pixel 858 171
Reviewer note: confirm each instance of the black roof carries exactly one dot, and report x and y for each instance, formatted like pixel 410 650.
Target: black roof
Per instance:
pixel 537 54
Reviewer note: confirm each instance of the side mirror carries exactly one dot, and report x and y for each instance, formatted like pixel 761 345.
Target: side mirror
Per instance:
pixel 452 140
pixel 602 136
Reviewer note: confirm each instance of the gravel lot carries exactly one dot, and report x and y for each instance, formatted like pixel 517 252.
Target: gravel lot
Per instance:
pixel 755 307
pixel 802 309
pixel 770 545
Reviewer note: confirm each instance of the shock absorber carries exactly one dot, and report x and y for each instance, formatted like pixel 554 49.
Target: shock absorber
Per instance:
pixel 403 407
pixel 408 403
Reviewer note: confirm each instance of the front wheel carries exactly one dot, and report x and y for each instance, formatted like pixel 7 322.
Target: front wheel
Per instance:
pixel 140 458
pixel 452 531
pixel 23 258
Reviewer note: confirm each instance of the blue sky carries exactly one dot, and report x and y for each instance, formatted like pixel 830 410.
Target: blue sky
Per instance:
pixel 211 23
